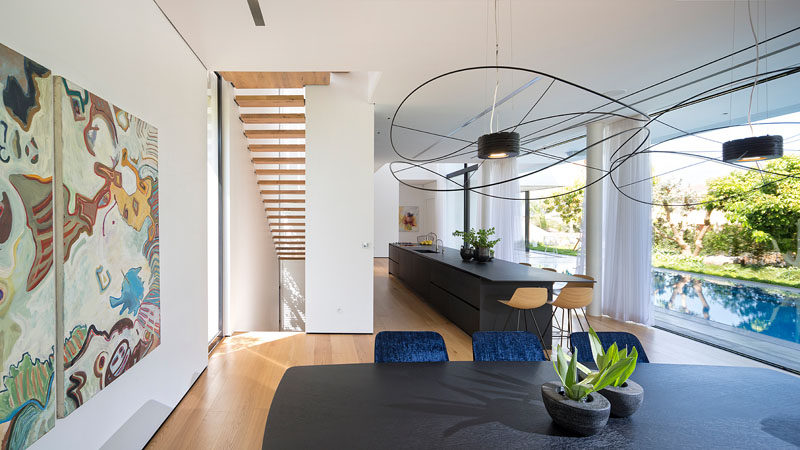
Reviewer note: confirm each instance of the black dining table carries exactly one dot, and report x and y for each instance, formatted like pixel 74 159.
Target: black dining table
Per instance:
pixel 499 405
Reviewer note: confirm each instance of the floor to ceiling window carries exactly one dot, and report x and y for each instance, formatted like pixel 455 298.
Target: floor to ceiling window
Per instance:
pixel 728 272
pixel 555 213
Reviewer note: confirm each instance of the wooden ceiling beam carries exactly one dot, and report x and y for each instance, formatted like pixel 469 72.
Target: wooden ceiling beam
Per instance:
pixel 276 80
pixel 288 224
pixel 279 160
pixel 285 209
pixel 269 101
pixel 286 217
pixel 275 134
pixel 276 148
pixel 273 118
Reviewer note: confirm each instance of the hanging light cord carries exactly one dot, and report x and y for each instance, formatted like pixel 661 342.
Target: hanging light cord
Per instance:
pixel 497 70
pixel 755 80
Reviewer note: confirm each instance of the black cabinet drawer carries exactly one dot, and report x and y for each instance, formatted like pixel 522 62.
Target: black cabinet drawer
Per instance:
pixel 462 285
pixel 454 309
pixel 462 314
pixel 437 297
pixel 393 267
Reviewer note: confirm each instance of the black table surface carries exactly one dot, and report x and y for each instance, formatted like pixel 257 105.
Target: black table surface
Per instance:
pixel 498 405
pixel 497 270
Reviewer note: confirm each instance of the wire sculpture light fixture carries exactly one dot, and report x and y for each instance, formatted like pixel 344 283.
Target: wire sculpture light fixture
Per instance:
pixel 532 134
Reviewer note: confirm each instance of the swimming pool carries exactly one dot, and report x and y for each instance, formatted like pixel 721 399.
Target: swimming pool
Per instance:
pixel 753 307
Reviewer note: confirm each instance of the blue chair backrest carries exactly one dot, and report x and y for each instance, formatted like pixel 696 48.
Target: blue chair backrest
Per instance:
pixel 580 342
pixel 506 346
pixel 409 346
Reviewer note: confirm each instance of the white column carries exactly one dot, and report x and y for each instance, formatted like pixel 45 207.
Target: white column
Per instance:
pixel 594 211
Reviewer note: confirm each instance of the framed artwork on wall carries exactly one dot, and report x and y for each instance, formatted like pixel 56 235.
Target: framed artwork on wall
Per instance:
pixel 27 274
pixel 409 218
pixel 111 290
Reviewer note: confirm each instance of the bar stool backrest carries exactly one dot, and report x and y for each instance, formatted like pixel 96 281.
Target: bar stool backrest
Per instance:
pixel 528 298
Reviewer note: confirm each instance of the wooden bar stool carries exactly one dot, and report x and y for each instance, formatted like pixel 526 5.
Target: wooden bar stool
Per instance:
pixel 524 300
pixel 575 295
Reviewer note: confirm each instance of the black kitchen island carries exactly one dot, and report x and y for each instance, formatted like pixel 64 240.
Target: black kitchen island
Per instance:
pixel 467 292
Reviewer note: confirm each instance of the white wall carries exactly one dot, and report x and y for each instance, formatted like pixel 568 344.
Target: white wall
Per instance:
pixel 409 196
pixel 251 287
pixel 386 192
pixel 339 174
pixel 128 53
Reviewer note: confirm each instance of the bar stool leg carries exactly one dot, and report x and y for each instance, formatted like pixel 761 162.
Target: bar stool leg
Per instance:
pixel 508 317
pixel 538 331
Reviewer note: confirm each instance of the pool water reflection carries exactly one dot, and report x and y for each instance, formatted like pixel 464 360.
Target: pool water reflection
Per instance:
pixel 747 306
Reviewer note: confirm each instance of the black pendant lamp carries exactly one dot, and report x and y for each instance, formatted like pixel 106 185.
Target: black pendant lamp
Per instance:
pixel 500 145
pixel 758 148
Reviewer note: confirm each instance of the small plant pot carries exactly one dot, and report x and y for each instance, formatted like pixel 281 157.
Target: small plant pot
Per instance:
pixel 466 253
pixel 482 254
pixel 625 400
pixel 585 418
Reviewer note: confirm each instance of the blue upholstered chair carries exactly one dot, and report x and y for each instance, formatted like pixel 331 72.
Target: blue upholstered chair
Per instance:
pixel 580 342
pixel 409 346
pixel 506 346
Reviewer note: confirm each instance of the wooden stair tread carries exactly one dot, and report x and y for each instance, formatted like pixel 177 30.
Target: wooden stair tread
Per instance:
pixel 269 101
pixel 275 134
pixel 273 118
pixel 276 148
pixel 279 160
pixel 284 192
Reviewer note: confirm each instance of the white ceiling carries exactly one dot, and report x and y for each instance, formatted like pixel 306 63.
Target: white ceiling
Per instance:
pixel 604 45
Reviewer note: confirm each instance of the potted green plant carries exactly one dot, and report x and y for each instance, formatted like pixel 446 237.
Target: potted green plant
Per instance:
pixel 483 245
pixel 467 252
pixel 576 405
pixel 624 394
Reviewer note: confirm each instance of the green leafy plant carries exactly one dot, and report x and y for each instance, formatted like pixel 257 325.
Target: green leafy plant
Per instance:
pixel 605 359
pixel 482 238
pixel 574 389
pixel 468 236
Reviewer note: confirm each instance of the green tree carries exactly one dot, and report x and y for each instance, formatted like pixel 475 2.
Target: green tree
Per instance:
pixel 569 205
pixel 672 223
pixel 767 204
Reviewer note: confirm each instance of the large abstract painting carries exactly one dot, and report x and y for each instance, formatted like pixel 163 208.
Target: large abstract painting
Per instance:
pixel 27 274
pixel 111 309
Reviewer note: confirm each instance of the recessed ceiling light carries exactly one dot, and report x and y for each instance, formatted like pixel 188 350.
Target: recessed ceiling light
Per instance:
pixel 255 11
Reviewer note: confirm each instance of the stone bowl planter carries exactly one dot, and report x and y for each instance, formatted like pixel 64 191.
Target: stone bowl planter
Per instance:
pixel 482 254
pixel 585 418
pixel 625 400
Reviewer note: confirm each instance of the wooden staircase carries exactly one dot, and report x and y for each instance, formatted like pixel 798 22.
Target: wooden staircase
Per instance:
pixel 274 124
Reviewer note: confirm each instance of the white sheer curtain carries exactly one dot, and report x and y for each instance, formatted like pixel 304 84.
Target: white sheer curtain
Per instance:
pixel 504 215
pixel 627 229
pixel 580 264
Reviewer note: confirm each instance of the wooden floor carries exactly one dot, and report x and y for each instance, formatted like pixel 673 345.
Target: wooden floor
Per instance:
pixel 228 405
